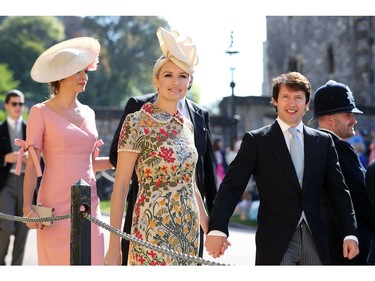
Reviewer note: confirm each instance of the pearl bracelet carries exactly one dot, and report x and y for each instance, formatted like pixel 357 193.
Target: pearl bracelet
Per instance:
pixel 29 213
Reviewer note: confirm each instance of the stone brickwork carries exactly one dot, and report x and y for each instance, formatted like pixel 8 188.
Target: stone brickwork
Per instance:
pixel 340 48
pixel 107 120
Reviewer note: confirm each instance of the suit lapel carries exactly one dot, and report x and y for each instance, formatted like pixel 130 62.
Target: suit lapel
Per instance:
pixel 281 153
pixel 6 136
pixel 197 118
pixel 311 160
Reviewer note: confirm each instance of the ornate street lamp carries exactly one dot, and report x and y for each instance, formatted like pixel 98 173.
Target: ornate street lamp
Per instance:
pixel 234 118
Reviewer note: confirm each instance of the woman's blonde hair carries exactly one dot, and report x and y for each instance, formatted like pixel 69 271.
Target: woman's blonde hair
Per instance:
pixel 160 62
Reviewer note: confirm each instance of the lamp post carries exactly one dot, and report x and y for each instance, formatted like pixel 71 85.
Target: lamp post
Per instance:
pixel 234 118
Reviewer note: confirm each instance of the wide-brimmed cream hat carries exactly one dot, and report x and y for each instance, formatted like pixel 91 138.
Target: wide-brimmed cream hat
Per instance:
pixel 180 50
pixel 66 58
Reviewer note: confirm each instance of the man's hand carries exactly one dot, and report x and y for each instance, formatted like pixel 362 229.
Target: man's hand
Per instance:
pixel 216 245
pixel 350 249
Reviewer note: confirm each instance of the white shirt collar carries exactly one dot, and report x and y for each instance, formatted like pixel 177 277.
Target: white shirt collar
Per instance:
pixel 284 127
pixel 182 102
pixel 13 123
pixel 182 107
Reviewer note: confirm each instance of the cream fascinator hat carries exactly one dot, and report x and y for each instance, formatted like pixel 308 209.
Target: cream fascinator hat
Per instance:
pixel 66 58
pixel 179 50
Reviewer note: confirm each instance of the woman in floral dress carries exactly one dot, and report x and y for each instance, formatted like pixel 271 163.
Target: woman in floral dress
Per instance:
pixel 159 143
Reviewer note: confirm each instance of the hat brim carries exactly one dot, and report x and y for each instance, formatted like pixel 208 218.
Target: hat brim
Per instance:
pixel 64 59
pixel 353 110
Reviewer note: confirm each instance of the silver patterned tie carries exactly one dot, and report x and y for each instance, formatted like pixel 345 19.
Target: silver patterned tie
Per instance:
pixel 296 152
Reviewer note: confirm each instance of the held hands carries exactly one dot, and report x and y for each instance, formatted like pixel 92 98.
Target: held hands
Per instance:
pixel 350 249
pixel 216 245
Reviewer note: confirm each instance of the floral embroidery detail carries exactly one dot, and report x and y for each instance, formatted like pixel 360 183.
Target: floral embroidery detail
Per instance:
pixel 166 211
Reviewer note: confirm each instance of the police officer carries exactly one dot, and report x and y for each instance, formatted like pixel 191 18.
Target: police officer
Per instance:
pixel 334 110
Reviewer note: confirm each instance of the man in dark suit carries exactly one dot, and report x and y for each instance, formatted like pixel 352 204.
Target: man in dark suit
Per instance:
pixel 290 229
pixel 370 182
pixel 334 110
pixel 11 186
pixel 206 177
pixel 370 189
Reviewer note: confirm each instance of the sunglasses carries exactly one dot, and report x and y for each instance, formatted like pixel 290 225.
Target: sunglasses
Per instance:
pixel 14 104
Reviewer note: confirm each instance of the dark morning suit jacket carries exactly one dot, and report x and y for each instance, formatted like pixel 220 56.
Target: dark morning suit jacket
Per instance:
pixel 370 189
pixel 370 182
pixel 265 155
pixel 206 176
pixel 5 148
pixel 354 174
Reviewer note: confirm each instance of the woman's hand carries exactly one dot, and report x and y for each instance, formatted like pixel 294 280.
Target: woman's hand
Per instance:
pixel 113 257
pixel 33 225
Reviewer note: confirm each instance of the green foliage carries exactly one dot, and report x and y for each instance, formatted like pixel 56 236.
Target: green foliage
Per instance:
pixel 235 219
pixel 129 49
pixel 7 82
pixel 194 94
pixel 22 40
pixel 3 115
pixel 105 206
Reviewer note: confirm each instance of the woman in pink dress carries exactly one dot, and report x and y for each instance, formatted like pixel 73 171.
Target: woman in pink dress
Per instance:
pixel 63 131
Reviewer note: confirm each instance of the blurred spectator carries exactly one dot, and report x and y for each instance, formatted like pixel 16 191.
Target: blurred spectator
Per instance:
pixel 372 147
pixel 361 153
pixel 232 152
pixel 358 139
pixel 220 159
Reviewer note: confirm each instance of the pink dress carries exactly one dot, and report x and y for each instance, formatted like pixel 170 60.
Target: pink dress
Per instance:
pixel 67 151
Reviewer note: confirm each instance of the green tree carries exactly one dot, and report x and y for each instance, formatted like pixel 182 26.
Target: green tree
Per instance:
pixel 22 40
pixel 7 82
pixel 129 49
pixel 194 94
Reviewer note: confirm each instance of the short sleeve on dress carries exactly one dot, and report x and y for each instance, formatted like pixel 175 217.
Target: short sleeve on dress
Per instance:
pixel 130 137
pixel 35 126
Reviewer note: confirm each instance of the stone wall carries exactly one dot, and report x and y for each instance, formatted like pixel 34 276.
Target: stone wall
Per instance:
pixel 107 120
pixel 340 48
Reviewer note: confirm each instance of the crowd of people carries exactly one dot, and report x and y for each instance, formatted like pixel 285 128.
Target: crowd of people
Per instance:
pixel 178 185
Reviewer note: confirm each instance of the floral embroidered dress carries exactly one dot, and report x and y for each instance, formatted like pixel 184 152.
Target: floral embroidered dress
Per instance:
pixel 166 212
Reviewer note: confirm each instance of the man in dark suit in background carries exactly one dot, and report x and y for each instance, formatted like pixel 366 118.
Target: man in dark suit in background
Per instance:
pixel 11 186
pixel 334 110
pixel 205 177
pixel 370 189
pixel 290 229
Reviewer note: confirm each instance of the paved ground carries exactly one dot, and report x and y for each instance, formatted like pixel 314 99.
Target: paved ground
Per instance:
pixel 240 256
pixel 242 251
